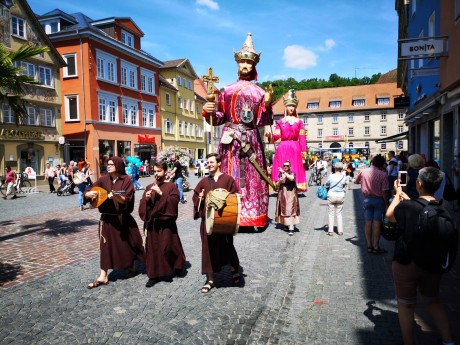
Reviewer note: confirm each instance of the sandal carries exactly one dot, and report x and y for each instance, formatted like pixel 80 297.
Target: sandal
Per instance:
pixel 96 284
pixel 379 251
pixel 330 234
pixel 208 286
pixel 370 250
pixel 236 278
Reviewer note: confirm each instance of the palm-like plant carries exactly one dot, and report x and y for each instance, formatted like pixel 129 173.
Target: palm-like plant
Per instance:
pixel 14 84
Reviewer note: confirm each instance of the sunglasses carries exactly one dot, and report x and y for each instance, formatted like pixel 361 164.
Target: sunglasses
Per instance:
pixel 286 166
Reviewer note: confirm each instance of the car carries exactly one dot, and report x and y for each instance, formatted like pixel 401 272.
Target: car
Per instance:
pixel 204 163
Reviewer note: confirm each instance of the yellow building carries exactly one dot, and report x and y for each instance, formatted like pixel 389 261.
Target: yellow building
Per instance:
pixel 182 123
pixel 36 141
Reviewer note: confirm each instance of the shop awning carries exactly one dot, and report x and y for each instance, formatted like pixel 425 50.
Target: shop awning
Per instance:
pixel 393 138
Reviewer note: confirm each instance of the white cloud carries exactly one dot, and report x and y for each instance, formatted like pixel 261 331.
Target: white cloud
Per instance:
pixel 328 45
pixel 296 56
pixel 208 3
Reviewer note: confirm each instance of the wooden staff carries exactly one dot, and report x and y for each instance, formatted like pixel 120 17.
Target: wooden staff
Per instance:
pixel 210 79
pixel 199 202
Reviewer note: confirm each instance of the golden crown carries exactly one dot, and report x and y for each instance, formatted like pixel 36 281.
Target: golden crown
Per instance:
pixel 247 52
pixel 291 99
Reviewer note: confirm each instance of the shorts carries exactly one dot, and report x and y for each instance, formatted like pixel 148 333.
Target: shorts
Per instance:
pixel 374 207
pixel 409 278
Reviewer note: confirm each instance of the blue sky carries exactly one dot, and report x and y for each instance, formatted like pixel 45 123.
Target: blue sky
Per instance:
pixel 302 39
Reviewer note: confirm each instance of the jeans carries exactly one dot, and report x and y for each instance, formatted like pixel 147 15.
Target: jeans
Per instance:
pixel 50 182
pixel 81 188
pixel 136 183
pixel 335 206
pixel 179 183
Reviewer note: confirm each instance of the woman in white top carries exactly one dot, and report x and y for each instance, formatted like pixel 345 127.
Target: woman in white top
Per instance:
pixel 336 183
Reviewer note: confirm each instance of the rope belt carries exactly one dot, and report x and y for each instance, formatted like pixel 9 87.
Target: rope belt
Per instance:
pixel 101 225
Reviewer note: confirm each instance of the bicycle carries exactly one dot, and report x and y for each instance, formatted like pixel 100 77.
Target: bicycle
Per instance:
pixel 3 186
pixel 23 184
pixel 316 176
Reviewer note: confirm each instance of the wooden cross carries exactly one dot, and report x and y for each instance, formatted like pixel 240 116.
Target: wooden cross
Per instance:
pixel 210 79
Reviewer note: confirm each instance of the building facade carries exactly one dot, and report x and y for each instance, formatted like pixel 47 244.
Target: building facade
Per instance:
pixel 429 73
pixel 351 117
pixel 181 111
pixel 35 141
pixel 110 88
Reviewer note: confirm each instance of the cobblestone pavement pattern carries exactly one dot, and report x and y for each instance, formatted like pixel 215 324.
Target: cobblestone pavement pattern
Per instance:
pixel 306 289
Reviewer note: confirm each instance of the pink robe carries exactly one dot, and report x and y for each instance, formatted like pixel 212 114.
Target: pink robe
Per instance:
pixel 231 102
pixel 290 148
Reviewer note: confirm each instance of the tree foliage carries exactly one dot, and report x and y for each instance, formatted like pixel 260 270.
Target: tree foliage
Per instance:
pixel 13 83
pixel 280 87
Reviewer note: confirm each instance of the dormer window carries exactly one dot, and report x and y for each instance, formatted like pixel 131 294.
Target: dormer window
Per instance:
pixel 127 38
pixel 335 104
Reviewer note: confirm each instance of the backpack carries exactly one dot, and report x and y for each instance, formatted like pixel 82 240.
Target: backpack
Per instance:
pixel 79 178
pixel 434 245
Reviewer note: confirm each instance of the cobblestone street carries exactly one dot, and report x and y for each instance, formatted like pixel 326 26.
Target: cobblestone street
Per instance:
pixel 306 289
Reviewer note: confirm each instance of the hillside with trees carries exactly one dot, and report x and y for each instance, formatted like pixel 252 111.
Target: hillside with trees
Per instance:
pixel 280 87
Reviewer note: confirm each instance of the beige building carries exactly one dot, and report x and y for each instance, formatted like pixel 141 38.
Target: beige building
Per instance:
pixel 352 117
pixel 36 141
pixel 182 123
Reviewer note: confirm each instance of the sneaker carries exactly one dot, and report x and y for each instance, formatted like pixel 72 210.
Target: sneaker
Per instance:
pixel 183 201
pixel 291 232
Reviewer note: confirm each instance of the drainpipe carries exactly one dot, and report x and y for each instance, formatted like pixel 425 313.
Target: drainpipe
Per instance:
pixel 83 94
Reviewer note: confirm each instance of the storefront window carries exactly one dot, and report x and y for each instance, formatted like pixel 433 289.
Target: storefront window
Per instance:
pixel 30 155
pixel 106 150
pixel 436 139
pixel 76 150
pixel 145 152
pixel 123 148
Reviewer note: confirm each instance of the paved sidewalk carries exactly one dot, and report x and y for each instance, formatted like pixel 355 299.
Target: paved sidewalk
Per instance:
pixel 307 289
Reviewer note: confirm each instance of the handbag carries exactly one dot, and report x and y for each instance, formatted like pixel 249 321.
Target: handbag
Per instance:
pixel 322 192
pixel 389 230
pixel 79 178
pixel 449 191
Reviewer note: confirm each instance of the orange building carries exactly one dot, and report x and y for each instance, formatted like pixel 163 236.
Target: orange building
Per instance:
pixel 110 89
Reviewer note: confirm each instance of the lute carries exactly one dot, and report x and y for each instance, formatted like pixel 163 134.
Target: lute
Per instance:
pixel 102 195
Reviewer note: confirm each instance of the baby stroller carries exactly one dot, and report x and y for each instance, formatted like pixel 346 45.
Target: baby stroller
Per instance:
pixel 66 187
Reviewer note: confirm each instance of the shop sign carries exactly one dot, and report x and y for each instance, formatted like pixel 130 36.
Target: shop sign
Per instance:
pixel 334 137
pixel 17 134
pixel 31 174
pixel 422 47
pixel 145 139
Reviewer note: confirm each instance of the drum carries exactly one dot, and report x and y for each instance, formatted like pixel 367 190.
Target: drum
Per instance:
pixel 225 221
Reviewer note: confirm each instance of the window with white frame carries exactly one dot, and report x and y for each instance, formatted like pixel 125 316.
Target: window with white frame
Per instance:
pixel 186 104
pixel 320 132
pixel 7 114
pixel 367 130
pixel 45 76
pixel 320 118
pixel 179 81
pixel 335 118
pixel 190 85
pixel 192 105
pixel 27 68
pixel 181 128
pixel 350 131
pixel 383 116
pixel 366 144
pixel 127 38
pixel 129 111
pixel 47 117
pixel 106 67
pixel 335 104
pixel 186 129
pixel 366 117
pixel 128 75
pixel 383 101
pixel 184 82
pixel 304 120
pixel 31 116
pixel 169 126
pixel 72 112
pixel 432 25
pixel 383 130
pixel 148 115
pixel 198 108
pixel 108 105
pixel 312 105
pixel 71 69
pixel 359 102
pixel 198 131
pixel 147 81
pixel 168 99
pixel 335 131
pixel 350 118
pixel 179 99
pixel 383 146
pixel 192 129
pixel 350 144
pixel 400 129
pixel 18 26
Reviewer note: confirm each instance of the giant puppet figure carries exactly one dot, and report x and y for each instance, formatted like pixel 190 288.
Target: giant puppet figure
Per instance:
pixel 242 108
pixel 293 144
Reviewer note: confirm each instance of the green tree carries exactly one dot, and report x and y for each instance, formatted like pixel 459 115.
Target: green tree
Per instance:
pixel 13 83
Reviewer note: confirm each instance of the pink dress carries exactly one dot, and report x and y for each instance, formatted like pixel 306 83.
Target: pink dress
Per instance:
pixel 293 143
pixel 234 102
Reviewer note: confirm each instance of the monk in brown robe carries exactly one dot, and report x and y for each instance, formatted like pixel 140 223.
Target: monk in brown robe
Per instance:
pixel 158 209
pixel 287 204
pixel 120 240
pixel 217 250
